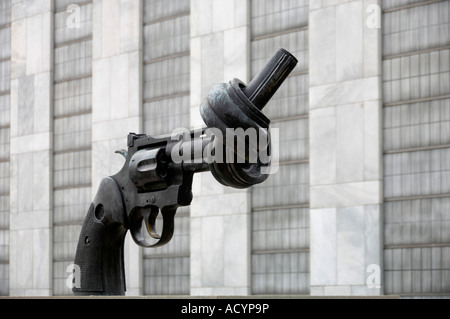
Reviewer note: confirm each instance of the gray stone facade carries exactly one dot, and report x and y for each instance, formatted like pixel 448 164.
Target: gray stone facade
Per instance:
pixel 31 148
pixel 345 159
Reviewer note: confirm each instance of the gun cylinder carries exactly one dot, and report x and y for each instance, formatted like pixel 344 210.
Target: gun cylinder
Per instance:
pixel 264 85
pixel 148 170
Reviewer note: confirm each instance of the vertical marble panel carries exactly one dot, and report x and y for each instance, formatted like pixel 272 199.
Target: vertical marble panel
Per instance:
pixel 345 152
pixel 219 52
pixel 323 244
pixel 322 46
pixel 31 148
pixel 349 38
pixel 116 95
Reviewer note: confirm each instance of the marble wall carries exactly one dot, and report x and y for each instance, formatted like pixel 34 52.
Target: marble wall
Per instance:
pixel 220 216
pixel 345 148
pixel 345 156
pixel 31 148
pixel 116 100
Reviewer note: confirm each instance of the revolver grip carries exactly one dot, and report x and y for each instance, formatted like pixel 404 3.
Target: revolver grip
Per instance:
pixel 100 248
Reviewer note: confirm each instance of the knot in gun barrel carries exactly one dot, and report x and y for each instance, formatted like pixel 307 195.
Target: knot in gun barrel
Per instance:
pixel 235 105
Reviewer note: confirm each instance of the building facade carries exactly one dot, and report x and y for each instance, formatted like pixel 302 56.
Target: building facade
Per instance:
pixel 360 204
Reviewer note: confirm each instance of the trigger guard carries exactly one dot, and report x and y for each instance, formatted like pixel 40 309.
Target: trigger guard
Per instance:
pixel 136 218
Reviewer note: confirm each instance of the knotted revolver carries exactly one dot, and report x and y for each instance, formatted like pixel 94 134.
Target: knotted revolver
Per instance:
pixel 157 175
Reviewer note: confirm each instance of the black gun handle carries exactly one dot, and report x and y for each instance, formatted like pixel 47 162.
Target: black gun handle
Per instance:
pixel 99 253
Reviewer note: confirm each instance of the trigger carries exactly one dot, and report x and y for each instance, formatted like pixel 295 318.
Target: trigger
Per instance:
pixel 150 223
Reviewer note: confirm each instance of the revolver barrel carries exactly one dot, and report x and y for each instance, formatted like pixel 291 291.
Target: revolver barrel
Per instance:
pixel 263 86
